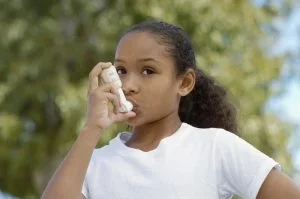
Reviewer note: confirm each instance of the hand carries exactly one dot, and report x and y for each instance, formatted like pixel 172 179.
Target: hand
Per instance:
pixel 99 114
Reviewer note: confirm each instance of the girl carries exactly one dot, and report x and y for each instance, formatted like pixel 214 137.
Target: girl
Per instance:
pixel 182 144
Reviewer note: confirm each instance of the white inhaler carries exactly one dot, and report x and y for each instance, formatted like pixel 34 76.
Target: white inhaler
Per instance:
pixel 110 75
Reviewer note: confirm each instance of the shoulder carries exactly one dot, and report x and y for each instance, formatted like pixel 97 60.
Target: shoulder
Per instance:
pixel 210 138
pixel 220 141
pixel 208 134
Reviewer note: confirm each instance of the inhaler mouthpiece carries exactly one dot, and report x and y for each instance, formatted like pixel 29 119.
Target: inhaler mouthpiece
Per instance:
pixel 126 105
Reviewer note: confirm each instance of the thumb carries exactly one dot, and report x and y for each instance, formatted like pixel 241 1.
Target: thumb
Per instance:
pixel 125 116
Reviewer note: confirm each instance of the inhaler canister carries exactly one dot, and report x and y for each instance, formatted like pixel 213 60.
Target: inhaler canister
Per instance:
pixel 110 75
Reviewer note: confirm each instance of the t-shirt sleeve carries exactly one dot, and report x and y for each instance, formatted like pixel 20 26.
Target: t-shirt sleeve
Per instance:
pixel 240 168
pixel 86 185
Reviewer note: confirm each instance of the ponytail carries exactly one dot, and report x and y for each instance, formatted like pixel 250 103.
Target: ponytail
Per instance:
pixel 208 106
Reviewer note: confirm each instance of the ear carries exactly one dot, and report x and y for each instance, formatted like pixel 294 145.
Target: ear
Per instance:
pixel 187 82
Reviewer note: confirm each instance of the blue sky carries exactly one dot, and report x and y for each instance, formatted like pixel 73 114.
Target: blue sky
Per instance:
pixel 287 107
pixel 288 104
pixel 287 43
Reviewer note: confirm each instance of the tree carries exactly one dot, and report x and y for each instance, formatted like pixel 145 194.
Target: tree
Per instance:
pixel 284 36
pixel 50 47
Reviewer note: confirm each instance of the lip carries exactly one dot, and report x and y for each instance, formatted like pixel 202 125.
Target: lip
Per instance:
pixel 135 105
pixel 134 109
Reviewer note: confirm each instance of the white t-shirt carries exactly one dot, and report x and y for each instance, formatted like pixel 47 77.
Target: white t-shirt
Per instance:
pixel 192 163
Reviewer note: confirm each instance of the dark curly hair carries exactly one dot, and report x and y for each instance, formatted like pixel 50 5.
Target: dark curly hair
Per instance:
pixel 207 105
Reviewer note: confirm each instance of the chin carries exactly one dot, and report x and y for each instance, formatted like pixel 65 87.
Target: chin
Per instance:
pixel 135 121
pixel 139 121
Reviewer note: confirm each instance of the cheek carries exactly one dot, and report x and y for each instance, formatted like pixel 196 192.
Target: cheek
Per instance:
pixel 160 96
pixel 157 88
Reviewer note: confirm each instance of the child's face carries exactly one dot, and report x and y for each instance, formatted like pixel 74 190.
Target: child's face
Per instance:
pixel 148 76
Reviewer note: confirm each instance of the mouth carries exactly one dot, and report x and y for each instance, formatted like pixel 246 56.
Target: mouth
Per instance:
pixel 135 106
pixel 134 109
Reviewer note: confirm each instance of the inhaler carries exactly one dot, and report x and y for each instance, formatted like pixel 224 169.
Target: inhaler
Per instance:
pixel 110 75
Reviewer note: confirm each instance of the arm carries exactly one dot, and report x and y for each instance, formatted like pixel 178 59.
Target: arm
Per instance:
pixel 278 186
pixel 68 178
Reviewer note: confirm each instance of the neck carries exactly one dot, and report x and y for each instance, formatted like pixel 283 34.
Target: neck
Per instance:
pixel 148 136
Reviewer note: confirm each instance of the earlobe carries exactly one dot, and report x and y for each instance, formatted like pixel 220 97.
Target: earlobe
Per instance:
pixel 187 82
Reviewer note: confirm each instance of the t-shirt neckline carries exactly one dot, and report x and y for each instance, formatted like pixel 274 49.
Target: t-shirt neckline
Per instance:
pixel 120 140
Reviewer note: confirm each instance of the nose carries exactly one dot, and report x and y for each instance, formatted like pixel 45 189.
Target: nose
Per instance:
pixel 130 85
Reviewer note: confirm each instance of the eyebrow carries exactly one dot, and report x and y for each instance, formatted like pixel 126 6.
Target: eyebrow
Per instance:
pixel 140 60
pixel 147 59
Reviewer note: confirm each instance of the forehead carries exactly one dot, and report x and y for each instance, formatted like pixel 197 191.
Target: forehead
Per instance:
pixel 136 45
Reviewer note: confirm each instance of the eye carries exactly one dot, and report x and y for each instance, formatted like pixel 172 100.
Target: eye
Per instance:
pixel 121 70
pixel 148 71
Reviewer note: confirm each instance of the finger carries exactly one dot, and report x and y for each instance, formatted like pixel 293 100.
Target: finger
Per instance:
pixel 114 91
pixel 115 101
pixel 109 87
pixel 94 74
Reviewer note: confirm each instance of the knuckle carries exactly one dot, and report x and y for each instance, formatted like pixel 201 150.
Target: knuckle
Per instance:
pixel 115 97
pixel 91 74
pixel 100 63
pixel 113 87
pixel 110 86
pixel 108 95
pixel 105 87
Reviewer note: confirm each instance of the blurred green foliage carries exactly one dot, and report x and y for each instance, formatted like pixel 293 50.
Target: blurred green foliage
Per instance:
pixel 48 48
